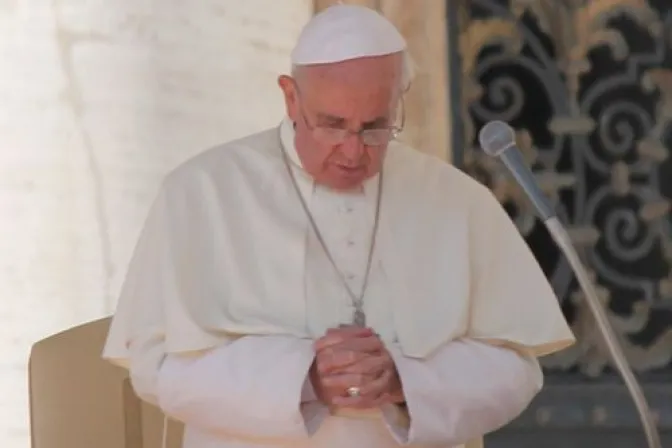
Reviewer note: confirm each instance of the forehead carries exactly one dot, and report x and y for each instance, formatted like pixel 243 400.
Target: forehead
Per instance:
pixel 365 88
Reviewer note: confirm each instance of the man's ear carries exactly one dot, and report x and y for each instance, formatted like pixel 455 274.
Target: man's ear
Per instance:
pixel 288 87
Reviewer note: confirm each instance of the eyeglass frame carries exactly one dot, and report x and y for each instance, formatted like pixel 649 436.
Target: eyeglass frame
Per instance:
pixel 394 131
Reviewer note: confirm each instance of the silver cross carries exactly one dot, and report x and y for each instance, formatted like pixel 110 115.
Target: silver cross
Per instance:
pixel 359 318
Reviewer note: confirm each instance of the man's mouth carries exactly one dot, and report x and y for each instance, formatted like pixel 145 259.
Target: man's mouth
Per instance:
pixel 351 168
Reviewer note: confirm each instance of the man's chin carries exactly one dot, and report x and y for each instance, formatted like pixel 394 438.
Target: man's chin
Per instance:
pixel 347 184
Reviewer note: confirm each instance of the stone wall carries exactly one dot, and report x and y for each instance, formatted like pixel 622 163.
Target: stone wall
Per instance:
pixel 98 100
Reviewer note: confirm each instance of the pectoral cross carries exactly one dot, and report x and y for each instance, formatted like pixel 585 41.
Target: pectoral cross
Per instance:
pixel 359 318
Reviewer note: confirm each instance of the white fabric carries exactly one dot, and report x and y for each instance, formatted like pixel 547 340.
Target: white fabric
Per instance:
pixel 466 389
pixel 346 222
pixel 224 253
pixel 344 32
pixel 231 399
pixel 227 253
pixel 227 390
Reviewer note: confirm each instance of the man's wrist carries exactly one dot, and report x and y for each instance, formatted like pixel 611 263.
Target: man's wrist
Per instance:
pixel 309 391
pixel 398 393
pixel 314 384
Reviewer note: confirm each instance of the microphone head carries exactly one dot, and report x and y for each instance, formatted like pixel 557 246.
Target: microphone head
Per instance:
pixel 495 137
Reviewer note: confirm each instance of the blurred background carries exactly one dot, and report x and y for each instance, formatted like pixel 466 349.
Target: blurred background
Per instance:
pixel 99 99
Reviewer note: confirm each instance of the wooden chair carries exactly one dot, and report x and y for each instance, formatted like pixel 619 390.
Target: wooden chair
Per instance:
pixel 78 400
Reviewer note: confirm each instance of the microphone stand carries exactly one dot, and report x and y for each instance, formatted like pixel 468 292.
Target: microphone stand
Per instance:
pixel 562 239
pixel 498 139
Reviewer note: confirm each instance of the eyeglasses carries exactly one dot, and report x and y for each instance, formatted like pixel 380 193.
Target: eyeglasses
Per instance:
pixel 369 137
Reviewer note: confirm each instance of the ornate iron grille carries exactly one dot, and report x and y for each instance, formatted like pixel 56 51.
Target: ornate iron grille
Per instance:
pixel 588 87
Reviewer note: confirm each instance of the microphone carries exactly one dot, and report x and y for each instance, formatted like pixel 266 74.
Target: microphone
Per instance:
pixel 498 139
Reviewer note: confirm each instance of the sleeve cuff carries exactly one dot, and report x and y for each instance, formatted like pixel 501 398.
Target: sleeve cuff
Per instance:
pixel 398 422
pixel 307 391
pixel 312 410
pixel 314 413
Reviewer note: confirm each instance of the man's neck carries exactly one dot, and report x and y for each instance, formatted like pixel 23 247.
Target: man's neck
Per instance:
pixel 354 191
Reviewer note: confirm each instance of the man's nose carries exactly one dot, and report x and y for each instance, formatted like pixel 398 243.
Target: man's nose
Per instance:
pixel 353 148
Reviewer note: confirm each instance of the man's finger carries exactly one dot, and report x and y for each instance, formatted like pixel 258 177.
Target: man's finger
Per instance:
pixel 345 381
pixel 346 328
pixel 367 365
pixel 372 393
pixel 329 360
pixel 377 387
pixel 370 344
pixel 338 336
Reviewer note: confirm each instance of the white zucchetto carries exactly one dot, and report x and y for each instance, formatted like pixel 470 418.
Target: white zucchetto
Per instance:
pixel 343 32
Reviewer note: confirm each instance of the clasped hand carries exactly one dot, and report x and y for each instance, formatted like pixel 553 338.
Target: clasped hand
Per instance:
pixel 354 357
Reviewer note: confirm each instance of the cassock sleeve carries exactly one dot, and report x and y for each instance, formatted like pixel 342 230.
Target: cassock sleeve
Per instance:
pixel 464 390
pixel 254 387
pixel 249 387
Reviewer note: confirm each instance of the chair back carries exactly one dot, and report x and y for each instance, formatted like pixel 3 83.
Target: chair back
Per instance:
pixel 79 400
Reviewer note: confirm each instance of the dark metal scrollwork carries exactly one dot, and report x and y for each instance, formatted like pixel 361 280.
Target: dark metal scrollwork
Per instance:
pixel 588 86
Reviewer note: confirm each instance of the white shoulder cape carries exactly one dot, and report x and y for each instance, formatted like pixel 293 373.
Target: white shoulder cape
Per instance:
pixel 221 255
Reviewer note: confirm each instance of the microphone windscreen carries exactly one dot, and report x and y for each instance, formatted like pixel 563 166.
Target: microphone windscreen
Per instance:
pixel 495 137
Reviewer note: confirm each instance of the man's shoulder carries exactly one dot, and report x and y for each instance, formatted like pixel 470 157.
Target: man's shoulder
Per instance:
pixel 432 171
pixel 252 151
pixel 435 181
pixel 258 145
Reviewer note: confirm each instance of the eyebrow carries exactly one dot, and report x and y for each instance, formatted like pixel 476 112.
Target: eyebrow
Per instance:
pixel 334 120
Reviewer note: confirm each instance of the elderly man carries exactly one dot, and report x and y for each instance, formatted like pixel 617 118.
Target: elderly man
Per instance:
pixel 320 285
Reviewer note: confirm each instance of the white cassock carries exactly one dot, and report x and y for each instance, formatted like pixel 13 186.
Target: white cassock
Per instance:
pixel 228 289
